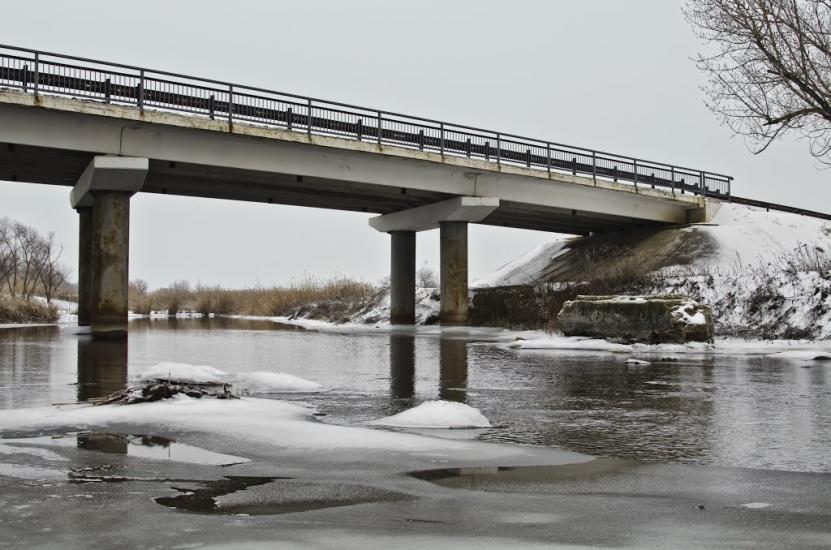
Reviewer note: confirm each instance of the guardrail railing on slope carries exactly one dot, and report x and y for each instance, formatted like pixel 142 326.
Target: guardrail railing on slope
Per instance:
pixel 39 72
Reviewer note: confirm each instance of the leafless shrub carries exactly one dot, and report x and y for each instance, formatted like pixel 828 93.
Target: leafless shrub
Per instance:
pixel 805 259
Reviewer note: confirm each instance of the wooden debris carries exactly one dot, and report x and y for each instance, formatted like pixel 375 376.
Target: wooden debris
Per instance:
pixel 162 388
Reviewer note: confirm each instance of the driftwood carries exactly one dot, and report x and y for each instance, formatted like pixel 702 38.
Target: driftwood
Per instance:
pixel 162 388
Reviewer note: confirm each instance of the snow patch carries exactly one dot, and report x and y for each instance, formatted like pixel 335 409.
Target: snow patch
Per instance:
pixel 436 414
pixel 756 505
pixel 637 362
pixel 682 313
pixel 274 382
pixel 183 372
pixel 246 382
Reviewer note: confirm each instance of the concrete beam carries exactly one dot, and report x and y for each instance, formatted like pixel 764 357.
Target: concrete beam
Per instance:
pixel 423 218
pixel 109 173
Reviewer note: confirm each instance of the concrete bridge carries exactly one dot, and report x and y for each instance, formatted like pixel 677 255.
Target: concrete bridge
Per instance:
pixel 108 131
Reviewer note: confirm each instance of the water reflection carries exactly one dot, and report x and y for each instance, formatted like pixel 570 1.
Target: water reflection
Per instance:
pixel 402 366
pixel 209 323
pixel 102 367
pixel 102 442
pixel 453 370
pixel 754 412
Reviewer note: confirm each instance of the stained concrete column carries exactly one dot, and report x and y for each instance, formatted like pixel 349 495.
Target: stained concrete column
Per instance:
pixel 402 277
pixel 84 265
pixel 110 263
pixel 453 257
pixel 105 188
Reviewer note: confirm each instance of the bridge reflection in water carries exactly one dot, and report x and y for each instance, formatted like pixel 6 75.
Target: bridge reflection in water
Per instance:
pixel 102 367
pixel 453 368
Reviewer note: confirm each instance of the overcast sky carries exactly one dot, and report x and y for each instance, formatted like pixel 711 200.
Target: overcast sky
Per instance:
pixel 605 74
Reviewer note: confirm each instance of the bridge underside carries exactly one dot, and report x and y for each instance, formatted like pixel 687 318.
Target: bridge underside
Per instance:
pixel 52 166
pixel 106 153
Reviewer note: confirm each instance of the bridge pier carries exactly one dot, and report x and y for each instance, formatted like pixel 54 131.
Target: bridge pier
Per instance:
pixel 451 217
pixel 84 265
pixel 110 264
pixel 402 277
pixel 453 273
pixel 102 198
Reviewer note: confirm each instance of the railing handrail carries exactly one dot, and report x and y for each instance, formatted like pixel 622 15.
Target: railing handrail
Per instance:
pixel 226 85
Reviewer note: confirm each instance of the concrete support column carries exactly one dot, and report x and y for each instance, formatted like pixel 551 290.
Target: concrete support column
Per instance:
pixel 453 254
pixel 402 278
pixel 84 265
pixel 102 198
pixel 110 258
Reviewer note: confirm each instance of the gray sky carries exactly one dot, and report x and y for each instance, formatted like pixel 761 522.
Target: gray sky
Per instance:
pixel 604 74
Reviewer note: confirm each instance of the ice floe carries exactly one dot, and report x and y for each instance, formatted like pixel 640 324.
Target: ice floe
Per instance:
pixel 436 414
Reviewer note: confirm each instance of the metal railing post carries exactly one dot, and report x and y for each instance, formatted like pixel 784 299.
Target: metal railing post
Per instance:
pixel 25 81
pixel 594 167
pixel 701 184
pixel 380 127
pixel 441 138
pixel 141 92
pixel 230 107
pixel 672 179
pixel 309 119
pixel 37 73
pixel 548 155
pixel 635 169
pixel 499 150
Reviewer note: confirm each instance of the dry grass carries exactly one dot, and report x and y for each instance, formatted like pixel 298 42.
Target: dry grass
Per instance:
pixel 285 300
pixel 262 301
pixel 20 310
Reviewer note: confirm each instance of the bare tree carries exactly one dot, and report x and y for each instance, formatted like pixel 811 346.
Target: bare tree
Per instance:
pixel 426 277
pixel 138 287
pixel 768 68
pixel 29 262
pixel 50 272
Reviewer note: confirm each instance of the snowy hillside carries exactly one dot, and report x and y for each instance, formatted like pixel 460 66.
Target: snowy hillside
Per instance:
pixel 738 236
pixel 766 274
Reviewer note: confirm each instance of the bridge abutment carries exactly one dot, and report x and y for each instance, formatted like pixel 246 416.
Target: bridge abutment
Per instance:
pixel 453 258
pixel 102 198
pixel 402 277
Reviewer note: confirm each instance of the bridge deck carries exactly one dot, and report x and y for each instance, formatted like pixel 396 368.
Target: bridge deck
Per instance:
pixel 47 73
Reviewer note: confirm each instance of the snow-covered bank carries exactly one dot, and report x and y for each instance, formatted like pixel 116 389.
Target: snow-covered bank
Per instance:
pixel 766 274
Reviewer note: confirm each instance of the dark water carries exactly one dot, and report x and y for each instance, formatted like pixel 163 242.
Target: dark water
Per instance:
pixel 752 412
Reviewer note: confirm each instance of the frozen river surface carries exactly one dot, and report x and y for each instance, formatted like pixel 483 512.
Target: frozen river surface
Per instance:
pixel 719 452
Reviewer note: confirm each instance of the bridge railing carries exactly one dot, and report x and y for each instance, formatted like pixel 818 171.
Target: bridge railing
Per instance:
pixel 44 73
